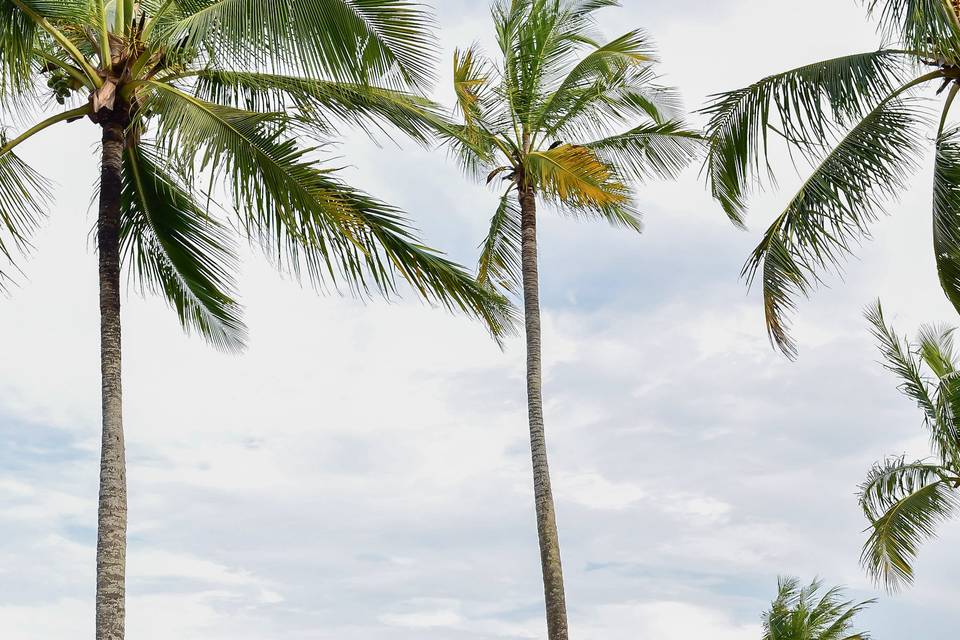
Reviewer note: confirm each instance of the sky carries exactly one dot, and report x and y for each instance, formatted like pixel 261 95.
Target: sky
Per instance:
pixel 362 471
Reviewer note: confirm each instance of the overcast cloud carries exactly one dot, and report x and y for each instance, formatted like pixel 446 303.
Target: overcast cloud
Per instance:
pixel 362 473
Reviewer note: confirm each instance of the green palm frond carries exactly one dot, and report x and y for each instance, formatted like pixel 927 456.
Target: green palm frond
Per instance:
pixel 176 249
pixel 599 68
pixel 388 41
pixel 321 102
pixel 811 613
pixel 900 359
pixel 946 214
pixel 937 396
pixel 24 200
pixel 472 84
pixel 833 210
pixel 307 219
pixel 928 26
pixel 904 502
pixel 18 38
pixel 612 103
pixel 499 265
pixel 538 40
pixel 937 348
pixel 69 11
pixel 474 151
pixel 658 150
pixel 805 103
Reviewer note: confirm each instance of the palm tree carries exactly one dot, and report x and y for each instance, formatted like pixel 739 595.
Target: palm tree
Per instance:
pixel 905 501
pixel 858 120
pixel 190 94
pixel 566 120
pixel 811 613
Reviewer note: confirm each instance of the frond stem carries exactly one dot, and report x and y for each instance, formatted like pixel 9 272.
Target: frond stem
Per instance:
pixel 946 108
pixel 64 42
pixel 162 10
pixel 70 70
pixel 79 112
pixel 106 56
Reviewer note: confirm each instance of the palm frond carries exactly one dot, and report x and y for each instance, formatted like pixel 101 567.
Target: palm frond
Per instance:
pixel 937 350
pixel 805 102
pixel 499 265
pixel 614 102
pixel 946 214
pixel 68 11
pixel 321 103
pixel 176 249
pixel 833 210
pixel 24 200
pixel 473 87
pixel 305 217
pixel 387 41
pixel 573 177
pixel 18 36
pixel 924 26
pixel 659 150
pixel 539 39
pixel 598 68
pixel 63 25
pixel 904 503
pixel 899 358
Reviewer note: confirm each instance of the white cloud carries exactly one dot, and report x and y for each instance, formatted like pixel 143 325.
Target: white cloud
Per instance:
pixel 596 492
pixel 59 620
pixel 155 563
pixel 664 621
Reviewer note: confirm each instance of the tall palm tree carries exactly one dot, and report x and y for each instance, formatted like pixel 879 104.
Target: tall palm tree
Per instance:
pixel 905 501
pixel 859 121
pixel 564 119
pixel 811 613
pixel 190 94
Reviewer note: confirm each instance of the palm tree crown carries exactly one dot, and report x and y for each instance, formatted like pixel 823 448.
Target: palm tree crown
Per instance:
pixel 566 115
pixel 811 613
pixel 240 94
pixel 858 120
pixel 905 501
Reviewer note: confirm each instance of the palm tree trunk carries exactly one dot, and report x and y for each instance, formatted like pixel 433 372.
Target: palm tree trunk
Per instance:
pixel 112 512
pixel 543 494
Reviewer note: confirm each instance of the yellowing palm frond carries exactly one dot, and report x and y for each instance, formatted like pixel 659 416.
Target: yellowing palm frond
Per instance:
pixel 471 84
pixel 574 176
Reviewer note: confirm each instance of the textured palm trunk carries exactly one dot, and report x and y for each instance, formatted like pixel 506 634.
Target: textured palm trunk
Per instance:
pixel 543 493
pixel 112 512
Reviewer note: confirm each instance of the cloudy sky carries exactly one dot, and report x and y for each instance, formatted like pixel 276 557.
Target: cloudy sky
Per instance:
pixel 363 472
